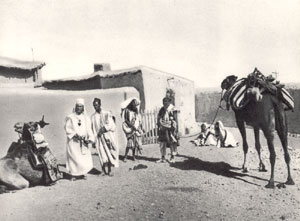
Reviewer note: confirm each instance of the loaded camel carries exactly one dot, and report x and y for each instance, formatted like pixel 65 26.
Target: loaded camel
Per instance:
pixel 258 102
pixel 28 162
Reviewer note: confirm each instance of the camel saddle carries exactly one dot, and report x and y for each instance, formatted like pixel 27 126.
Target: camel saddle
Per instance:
pixel 43 159
pixel 40 155
pixel 50 164
pixel 236 95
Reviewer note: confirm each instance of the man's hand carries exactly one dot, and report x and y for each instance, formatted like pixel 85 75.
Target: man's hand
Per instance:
pixel 87 142
pixel 166 124
pixel 101 131
pixel 76 137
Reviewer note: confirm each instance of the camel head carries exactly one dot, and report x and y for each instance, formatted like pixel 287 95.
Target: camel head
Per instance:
pixel 228 82
pixel 42 123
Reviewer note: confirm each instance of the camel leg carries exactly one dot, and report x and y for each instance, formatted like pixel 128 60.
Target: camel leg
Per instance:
pixel 241 126
pixel 281 128
pixel 269 134
pixel 261 167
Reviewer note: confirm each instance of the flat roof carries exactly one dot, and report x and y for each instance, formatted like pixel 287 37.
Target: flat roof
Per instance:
pixel 18 64
pixel 114 73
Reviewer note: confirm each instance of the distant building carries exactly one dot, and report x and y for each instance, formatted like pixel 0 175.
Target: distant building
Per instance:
pixel 151 84
pixel 20 73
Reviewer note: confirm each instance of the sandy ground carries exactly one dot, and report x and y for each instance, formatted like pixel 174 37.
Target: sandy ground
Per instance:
pixel 205 183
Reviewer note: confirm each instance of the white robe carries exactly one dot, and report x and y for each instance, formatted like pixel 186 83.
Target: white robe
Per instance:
pixel 223 133
pixel 79 158
pixel 106 145
pixel 208 137
pixel 230 141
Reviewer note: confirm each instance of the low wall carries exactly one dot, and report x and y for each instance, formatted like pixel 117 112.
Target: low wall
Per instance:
pixel 23 105
pixel 207 102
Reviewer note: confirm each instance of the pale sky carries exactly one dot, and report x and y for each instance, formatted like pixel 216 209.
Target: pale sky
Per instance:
pixel 203 40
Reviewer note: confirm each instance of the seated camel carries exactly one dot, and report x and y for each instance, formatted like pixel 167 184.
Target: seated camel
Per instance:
pixel 260 103
pixel 29 161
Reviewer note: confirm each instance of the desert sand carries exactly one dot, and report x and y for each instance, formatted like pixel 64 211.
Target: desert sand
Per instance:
pixel 205 183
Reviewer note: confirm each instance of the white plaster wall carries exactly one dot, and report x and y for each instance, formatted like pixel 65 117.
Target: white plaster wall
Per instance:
pixel 28 104
pixel 155 85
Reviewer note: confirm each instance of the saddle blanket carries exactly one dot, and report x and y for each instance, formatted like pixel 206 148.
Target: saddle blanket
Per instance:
pixel 237 96
pixel 287 99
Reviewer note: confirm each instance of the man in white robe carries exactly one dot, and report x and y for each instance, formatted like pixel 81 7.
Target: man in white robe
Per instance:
pixel 103 127
pixel 79 135
pixel 224 136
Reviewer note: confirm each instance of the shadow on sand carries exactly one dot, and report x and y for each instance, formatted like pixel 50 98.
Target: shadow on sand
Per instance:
pixel 218 168
pixel 67 176
pixel 139 157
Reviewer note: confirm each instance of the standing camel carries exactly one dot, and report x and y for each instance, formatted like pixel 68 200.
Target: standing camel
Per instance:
pixel 260 109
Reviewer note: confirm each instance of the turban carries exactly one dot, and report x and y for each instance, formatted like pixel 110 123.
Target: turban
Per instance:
pixel 135 102
pixel 125 103
pixel 80 101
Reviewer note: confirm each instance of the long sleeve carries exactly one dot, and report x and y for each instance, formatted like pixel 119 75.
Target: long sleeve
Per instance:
pixel 90 135
pixel 110 124
pixel 93 125
pixel 127 118
pixel 69 128
pixel 159 117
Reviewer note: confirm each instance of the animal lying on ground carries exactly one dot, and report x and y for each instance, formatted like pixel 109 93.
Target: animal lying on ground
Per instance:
pixel 28 162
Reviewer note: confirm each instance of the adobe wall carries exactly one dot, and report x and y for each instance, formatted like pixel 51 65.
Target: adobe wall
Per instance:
pixel 208 102
pixel 39 78
pixel 294 117
pixel 206 105
pixel 156 84
pixel 92 83
pixel 31 104
pixel 126 80
pixel 9 75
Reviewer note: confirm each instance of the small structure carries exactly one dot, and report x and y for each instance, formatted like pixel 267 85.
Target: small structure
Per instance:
pixel 151 84
pixel 20 73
